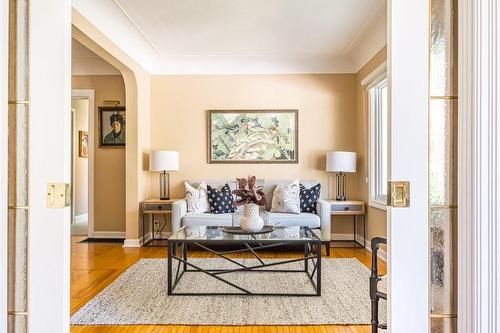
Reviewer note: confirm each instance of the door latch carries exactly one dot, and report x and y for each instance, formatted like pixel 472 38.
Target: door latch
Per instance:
pixel 58 195
pixel 398 193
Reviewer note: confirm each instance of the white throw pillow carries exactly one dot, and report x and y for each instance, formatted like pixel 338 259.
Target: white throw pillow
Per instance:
pixel 197 198
pixel 286 199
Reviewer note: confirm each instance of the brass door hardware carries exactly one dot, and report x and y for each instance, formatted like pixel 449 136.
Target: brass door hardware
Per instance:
pixel 398 193
pixel 58 195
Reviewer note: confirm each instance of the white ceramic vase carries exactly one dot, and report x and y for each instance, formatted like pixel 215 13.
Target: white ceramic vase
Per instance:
pixel 251 220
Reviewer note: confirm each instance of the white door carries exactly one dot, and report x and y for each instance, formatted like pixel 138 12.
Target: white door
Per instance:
pixel 37 115
pixel 408 69
pixel 50 158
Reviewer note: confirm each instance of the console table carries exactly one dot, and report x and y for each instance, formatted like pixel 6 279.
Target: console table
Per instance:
pixel 352 208
pixel 151 208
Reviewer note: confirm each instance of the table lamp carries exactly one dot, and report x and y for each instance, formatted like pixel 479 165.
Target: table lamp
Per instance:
pixel 163 161
pixel 341 162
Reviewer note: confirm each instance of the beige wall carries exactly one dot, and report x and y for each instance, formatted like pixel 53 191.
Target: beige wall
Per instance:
pixel 109 163
pixel 138 91
pixel 377 218
pixel 327 121
pixel 81 164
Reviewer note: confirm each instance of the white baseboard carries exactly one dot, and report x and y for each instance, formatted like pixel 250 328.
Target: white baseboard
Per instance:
pixel 108 234
pixel 137 242
pixel 348 237
pixel 81 218
pixel 130 242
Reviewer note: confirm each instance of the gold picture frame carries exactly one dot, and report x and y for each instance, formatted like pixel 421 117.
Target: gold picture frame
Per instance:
pixel 83 144
pixel 265 136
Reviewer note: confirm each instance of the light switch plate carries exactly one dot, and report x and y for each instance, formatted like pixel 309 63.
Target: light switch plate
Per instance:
pixel 58 195
pixel 398 193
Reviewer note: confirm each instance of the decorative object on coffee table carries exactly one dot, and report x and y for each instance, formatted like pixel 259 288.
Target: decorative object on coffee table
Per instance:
pixel 250 197
pixel 239 213
pixel 238 231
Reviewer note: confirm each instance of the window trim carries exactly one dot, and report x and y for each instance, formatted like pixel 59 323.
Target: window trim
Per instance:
pixel 372 80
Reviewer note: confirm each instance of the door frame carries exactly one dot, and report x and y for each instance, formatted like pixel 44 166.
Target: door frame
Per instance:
pixel 89 94
pixel 4 51
pixel 478 165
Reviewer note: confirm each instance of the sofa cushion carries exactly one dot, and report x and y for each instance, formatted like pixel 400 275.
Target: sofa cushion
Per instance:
pixel 197 198
pixel 208 219
pixel 286 199
pixel 309 198
pixel 220 201
pixel 303 219
pixel 268 186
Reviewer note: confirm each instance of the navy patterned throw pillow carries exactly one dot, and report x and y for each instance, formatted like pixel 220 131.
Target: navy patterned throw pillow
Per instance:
pixel 220 201
pixel 308 198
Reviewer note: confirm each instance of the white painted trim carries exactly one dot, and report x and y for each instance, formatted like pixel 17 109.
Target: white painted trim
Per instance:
pixel 89 94
pixel 346 237
pixel 129 242
pixel 143 34
pixel 382 254
pixel 377 204
pixel 375 74
pixel 4 42
pixel 109 234
pixel 138 242
pixel 81 218
pixel 478 166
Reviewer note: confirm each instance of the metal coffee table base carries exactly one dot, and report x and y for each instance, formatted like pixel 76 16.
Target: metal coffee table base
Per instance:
pixel 312 267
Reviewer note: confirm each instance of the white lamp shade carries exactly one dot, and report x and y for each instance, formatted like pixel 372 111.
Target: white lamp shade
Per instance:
pixel 341 161
pixel 164 160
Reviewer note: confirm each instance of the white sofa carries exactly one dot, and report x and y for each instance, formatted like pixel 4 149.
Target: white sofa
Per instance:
pixel 320 220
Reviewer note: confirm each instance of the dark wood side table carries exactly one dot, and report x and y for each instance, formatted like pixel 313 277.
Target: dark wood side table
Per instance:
pixel 150 209
pixel 352 208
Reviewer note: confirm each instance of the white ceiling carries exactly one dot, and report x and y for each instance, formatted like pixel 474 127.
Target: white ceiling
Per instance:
pixel 246 36
pixel 86 62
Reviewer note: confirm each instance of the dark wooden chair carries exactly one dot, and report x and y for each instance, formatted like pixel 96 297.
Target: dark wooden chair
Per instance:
pixel 375 294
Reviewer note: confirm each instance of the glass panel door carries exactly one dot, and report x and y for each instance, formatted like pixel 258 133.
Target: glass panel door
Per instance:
pixel 17 166
pixel 442 165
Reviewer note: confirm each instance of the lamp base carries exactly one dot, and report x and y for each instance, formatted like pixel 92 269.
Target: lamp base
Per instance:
pixel 164 186
pixel 340 187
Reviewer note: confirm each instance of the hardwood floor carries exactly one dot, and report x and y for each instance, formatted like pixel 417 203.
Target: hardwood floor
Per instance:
pixel 96 265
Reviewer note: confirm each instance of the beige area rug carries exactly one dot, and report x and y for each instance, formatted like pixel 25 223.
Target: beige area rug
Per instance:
pixel 139 296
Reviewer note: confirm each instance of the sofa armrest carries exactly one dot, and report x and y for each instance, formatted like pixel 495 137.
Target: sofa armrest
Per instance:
pixel 179 209
pixel 323 209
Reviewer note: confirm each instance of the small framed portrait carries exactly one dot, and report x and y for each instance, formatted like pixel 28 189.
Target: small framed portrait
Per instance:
pixel 83 144
pixel 112 126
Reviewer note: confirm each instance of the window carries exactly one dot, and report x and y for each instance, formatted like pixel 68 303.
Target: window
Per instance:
pixel 377 108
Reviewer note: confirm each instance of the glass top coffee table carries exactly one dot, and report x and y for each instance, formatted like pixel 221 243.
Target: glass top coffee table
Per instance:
pixel 214 239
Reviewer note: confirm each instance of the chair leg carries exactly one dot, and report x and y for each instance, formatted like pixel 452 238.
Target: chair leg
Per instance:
pixel 327 248
pixel 374 315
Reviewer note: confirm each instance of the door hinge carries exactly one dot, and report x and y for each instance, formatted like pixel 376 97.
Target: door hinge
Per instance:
pixel 58 195
pixel 398 193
